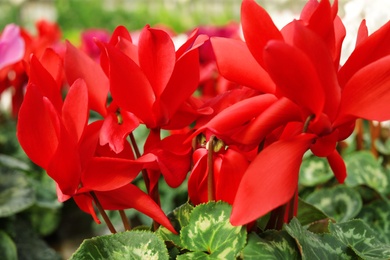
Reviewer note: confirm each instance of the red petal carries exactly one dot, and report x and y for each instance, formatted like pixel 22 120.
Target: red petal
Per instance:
pixel 277 114
pixel 362 34
pixel 156 57
pixel 232 168
pixel 184 81
pixel 42 79
pixel 373 48
pixel 38 127
pixel 270 180
pixel 366 95
pixel 197 182
pixel 79 65
pixel 337 164
pixel 237 64
pixel 84 202
pixel 295 76
pixel 75 109
pixel 130 196
pixel 230 119
pixel 53 64
pixel 104 174
pixel 325 145
pixel 65 166
pixel 130 88
pixel 115 133
pixel 320 56
pixel 258 28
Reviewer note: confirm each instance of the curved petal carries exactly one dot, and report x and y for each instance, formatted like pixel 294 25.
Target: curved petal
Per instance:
pixel 237 64
pixel 42 79
pixel 295 76
pixel 75 109
pixel 84 202
pixel 376 46
pixel 237 115
pixel 325 145
pixel 38 127
pixel 157 57
pixel 53 63
pixel 270 180
pixel 337 165
pixel 184 81
pixel 130 196
pixel 114 132
pixel 277 114
pixel 103 174
pixel 197 182
pixel 232 168
pixel 321 57
pixel 79 65
pixel 129 86
pixel 258 28
pixel 366 95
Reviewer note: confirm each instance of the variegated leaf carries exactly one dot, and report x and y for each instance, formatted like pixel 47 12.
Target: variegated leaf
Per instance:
pixel 357 235
pixel 179 218
pixel 314 171
pixel 210 231
pixel 377 216
pixel 270 245
pixel 127 245
pixel 339 202
pixel 317 246
pixel 364 169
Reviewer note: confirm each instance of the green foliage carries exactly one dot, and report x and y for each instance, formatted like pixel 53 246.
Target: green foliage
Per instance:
pixel 314 171
pixel 358 236
pixel 272 245
pixel 364 169
pixel 126 245
pixel 209 230
pixel 339 202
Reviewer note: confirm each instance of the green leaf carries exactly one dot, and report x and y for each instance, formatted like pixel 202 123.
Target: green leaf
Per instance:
pixel 339 202
pixel 29 245
pixel 308 213
pixel 270 245
pixel 126 245
pixel 44 220
pixel 7 247
pixel 316 246
pixel 179 217
pixel 314 171
pixel 16 192
pixel 357 235
pixel 210 231
pixel 364 169
pixel 13 163
pixel 194 255
pixel 377 216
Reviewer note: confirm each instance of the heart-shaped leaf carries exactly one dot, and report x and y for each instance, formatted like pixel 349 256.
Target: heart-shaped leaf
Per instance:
pixel 340 202
pixel 127 245
pixel 209 230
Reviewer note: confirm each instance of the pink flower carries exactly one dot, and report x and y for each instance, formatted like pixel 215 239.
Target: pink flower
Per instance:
pixel 11 45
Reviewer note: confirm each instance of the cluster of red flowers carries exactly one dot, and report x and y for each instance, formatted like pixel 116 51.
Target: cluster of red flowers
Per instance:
pixel 261 103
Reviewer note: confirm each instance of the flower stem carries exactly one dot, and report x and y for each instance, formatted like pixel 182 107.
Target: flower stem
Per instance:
pixel 103 213
pixel 210 174
pixel 138 155
pixel 125 220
